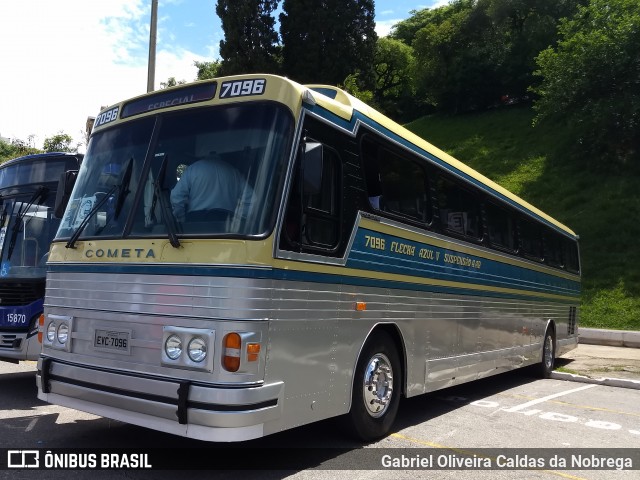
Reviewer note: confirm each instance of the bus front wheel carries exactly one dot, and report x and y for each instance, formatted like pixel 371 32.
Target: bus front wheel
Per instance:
pixel 548 354
pixel 376 388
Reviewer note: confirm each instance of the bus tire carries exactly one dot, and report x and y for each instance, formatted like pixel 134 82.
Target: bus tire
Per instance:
pixel 376 389
pixel 548 354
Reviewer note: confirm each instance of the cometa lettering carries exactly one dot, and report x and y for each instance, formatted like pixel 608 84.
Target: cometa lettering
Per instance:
pixel 121 253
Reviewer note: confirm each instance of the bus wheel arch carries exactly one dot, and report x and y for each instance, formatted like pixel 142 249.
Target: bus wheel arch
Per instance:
pixel 548 350
pixel 378 383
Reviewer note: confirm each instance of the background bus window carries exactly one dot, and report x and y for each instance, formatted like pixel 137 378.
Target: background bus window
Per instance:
pixel 459 209
pixel 500 227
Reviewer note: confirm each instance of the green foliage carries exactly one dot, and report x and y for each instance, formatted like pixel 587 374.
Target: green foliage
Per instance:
pixel 16 148
pixel 61 142
pixel 470 54
pixel 353 85
pixel 250 39
pixel 172 82
pixel 602 208
pixel 590 82
pixel 207 70
pixel 406 30
pixel 324 41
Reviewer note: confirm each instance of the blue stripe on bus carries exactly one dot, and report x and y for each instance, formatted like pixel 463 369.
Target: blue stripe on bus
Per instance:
pixel 350 125
pixel 288 275
pixel 406 260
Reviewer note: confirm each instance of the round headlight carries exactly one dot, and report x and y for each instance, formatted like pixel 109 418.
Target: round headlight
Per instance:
pixel 63 333
pixel 197 349
pixel 173 347
pixel 51 332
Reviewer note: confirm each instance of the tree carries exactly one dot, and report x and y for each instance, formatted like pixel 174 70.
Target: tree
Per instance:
pixel 207 70
pixel 393 63
pixel 590 81
pixel 16 148
pixel 471 53
pixel 61 142
pixel 172 82
pixel 406 30
pixel 324 41
pixel 250 39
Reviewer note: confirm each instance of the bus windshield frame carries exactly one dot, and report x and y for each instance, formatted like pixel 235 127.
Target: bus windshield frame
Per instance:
pixel 124 187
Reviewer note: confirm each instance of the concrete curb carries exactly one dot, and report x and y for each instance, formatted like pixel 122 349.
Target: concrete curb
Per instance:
pixel 611 382
pixel 612 338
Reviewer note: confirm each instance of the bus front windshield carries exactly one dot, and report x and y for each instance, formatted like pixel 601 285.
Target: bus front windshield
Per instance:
pixel 26 229
pixel 195 172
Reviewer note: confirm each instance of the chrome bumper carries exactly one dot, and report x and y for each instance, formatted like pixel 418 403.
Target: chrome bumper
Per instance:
pixel 17 346
pixel 177 406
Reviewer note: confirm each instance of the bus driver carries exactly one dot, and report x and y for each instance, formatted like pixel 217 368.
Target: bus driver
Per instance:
pixel 208 188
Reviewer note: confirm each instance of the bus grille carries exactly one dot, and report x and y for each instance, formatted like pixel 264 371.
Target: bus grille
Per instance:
pixel 21 293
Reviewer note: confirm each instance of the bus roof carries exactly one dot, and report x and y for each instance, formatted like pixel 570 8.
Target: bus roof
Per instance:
pixel 40 156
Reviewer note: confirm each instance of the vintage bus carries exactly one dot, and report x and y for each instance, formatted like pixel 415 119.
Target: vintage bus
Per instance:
pixel 355 264
pixel 27 225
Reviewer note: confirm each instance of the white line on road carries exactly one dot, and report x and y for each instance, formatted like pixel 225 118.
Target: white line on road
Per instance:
pixel 544 399
pixel 32 424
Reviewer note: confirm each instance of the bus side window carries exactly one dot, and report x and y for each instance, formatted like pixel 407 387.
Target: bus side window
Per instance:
pixel 459 209
pixel 570 256
pixel 530 240
pixel 552 249
pixel 395 183
pixel 501 227
pixel 312 218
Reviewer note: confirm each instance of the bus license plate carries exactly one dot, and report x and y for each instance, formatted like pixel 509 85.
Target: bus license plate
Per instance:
pixel 112 341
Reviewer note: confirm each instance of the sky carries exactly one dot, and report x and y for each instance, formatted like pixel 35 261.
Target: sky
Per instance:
pixel 63 60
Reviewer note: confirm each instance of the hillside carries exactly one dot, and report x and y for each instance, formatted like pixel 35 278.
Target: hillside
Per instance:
pixel 602 207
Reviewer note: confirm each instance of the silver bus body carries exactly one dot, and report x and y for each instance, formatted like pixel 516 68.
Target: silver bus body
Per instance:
pixel 455 311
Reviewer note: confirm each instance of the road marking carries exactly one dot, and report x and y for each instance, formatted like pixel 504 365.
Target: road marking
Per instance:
pixel 547 398
pixel 32 424
pixel 575 405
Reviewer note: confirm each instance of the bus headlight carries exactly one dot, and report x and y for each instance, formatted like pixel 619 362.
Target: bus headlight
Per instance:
pixel 186 347
pixel 197 349
pixel 63 333
pixel 173 347
pixel 51 332
pixel 58 331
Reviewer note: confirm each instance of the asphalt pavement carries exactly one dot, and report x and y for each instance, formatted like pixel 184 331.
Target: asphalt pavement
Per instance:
pixel 607 357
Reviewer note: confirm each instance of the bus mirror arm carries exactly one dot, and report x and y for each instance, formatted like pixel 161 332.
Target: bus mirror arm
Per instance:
pixel 63 194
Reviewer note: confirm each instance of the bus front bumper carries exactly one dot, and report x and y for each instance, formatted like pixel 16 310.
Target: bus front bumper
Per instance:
pixel 19 346
pixel 194 410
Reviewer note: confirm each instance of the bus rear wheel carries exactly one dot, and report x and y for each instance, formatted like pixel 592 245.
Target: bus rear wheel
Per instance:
pixel 548 354
pixel 376 389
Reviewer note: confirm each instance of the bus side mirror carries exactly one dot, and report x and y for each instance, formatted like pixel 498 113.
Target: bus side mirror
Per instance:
pixel 312 167
pixel 63 194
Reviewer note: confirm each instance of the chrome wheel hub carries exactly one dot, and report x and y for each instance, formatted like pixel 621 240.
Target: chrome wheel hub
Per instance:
pixel 548 352
pixel 378 385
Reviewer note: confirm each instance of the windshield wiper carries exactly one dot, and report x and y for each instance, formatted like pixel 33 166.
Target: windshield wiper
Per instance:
pixel 76 234
pixel 167 215
pixel 39 195
pixel 123 188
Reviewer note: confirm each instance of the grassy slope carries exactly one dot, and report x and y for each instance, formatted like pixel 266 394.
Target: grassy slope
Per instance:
pixel 603 209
